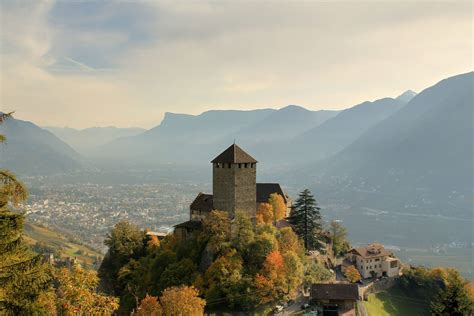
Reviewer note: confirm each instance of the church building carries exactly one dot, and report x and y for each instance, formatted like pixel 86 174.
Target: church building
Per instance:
pixel 235 188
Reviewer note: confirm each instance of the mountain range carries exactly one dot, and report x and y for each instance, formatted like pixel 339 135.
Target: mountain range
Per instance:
pixel 32 150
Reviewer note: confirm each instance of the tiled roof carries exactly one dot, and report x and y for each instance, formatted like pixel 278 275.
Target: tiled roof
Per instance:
pixel 265 189
pixel 371 251
pixel 234 154
pixel 337 291
pixel 190 224
pixel 203 202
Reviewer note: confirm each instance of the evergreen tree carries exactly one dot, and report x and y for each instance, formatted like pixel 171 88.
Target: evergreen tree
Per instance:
pixel 23 275
pixel 306 219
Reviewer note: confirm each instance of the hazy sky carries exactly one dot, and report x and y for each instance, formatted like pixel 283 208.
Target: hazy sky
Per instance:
pixel 102 63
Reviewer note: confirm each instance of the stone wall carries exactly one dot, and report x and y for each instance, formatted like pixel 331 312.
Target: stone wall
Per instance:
pixel 234 188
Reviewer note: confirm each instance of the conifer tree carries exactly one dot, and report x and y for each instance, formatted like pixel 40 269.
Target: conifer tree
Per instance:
pixel 306 219
pixel 23 275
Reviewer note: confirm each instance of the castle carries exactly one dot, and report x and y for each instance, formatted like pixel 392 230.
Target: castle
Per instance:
pixel 235 188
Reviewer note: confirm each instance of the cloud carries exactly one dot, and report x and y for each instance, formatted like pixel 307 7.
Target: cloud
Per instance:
pixel 100 63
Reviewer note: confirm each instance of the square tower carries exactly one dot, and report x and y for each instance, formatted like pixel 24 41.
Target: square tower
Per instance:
pixel 234 174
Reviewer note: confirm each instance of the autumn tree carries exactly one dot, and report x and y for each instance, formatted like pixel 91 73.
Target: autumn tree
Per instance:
pixel 264 213
pixel 306 219
pixel 23 275
pixel 278 206
pixel 352 274
pixel 338 233
pixel 182 300
pixel 149 306
pixel 453 299
pixel 217 228
pixel 77 293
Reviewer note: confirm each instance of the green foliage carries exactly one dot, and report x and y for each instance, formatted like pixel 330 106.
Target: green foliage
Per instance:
pixel 340 244
pixel 315 273
pixel 306 219
pixel 125 242
pixel 454 298
pixel 23 275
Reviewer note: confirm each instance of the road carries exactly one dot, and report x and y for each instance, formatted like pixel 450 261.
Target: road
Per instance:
pixel 296 306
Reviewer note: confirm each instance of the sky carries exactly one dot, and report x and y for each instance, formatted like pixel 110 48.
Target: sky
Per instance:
pixel 101 63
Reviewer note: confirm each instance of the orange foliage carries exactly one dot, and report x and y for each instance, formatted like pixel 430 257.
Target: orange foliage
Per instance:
pixel 264 214
pixel 278 206
pixel 149 306
pixel 273 265
pixel 182 300
pixel 153 243
pixel 352 274
pixel 470 289
pixel 264 287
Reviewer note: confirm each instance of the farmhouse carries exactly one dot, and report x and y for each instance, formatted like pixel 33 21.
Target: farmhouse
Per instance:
pixel 373 261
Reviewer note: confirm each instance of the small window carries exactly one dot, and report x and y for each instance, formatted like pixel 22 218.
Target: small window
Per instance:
pixel 240 165
pixel 246 165
pixel 217 165
pixel 228 165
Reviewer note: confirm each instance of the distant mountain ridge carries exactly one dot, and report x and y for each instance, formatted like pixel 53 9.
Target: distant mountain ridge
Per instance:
pixel 32 150
pixel 86 140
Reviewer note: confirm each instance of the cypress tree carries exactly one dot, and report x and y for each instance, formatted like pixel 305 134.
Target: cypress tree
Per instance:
pixel 23 275
pixel 306 219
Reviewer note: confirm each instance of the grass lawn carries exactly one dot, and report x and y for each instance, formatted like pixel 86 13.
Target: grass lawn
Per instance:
pixel 395 302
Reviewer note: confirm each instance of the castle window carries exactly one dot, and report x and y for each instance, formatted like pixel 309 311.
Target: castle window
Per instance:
pixel 240 165
pixel 228 165
pixel 246 165
pixel 217 165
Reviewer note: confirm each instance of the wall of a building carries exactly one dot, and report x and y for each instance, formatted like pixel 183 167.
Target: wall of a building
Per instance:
pixel 235 188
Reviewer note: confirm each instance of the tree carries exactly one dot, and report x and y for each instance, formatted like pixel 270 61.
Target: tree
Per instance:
pixel 306 219
pixel 182 300
pixel 352 274
pixel 149 306
pixel 340 245
pixel 278 206
pixel 264 213
pixel 243 231
pixel 454 299
pixel 125 242
pixel 316 273
pixel 217 227
pixel 77 293
pixel 23 275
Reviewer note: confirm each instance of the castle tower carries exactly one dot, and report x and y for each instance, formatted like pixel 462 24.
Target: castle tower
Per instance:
pixel 234 181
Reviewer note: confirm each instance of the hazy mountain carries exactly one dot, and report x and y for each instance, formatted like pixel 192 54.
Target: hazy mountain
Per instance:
pixel 407 96
pixel 182 138
pixel 32 150
pixel 422 155
pixel 87 140
pixel 340 131
pixel 283 124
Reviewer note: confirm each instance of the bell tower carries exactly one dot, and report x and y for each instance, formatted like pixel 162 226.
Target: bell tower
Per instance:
pixel 234 175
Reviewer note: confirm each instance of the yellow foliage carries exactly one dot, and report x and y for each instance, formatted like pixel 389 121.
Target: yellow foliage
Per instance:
pixel 278 206
pixel 264 213
pixel 182 301
pixel 352 274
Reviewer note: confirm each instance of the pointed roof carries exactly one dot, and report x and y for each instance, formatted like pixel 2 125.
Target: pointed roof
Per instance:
pixel 234 154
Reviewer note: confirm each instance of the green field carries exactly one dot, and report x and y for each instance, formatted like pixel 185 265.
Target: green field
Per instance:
pixel 66 245
pixel 395 302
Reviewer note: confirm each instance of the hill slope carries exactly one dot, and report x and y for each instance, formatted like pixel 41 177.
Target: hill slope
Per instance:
pixel 32 150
